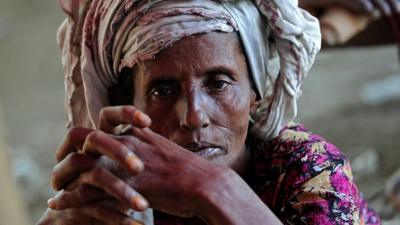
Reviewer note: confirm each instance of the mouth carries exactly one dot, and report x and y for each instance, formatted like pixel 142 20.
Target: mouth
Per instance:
pixel 207 150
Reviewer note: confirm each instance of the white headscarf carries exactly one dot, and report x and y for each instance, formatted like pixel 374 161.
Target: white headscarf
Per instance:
pixel 100 37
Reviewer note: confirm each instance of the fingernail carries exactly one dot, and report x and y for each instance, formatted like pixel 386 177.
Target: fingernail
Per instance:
pixel 140 203
pixel 143 117
pixel 52 203
pixel 134 163
pixel 135 223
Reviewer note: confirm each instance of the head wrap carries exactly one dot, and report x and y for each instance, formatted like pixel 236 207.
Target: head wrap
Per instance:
pixel 101 37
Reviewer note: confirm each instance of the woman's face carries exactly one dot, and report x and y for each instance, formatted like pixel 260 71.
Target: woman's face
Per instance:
pixel 197 93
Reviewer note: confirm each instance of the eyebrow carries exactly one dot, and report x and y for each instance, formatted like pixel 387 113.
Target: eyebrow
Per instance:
pixel 164 78
pixel 157 81
pixel 221 70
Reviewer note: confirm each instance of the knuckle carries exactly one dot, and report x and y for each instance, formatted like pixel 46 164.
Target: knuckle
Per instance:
pixel 128 111
pixel 123 220
pixel 95 174
pixel 54 180
pixel 70 134
pixel 94 136
pixel 62 200
pixel 120 149
pixel 59 155
pixel 84 191
pixel 125 140
pixel 104 111
pixel 98 211
pixel 74 134
pixel 76 160
pixel 133 144
pixel 72 157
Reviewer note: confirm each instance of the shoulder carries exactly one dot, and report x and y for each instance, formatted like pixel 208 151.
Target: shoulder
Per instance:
pixel 296 145
pixel 309 177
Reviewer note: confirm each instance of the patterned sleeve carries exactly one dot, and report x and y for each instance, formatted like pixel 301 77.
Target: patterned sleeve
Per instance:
pixel 310 182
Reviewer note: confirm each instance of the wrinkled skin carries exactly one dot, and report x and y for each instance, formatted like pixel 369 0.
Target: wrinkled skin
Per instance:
pixel 357 6
pixel 206 99
pixel 198 96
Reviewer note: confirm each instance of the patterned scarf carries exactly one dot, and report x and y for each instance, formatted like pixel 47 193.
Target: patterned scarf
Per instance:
pixel 101 37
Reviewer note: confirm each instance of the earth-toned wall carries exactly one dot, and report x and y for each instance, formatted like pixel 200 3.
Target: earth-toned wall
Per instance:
pixel 350 97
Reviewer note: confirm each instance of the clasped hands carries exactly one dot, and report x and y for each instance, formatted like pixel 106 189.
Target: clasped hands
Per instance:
pixel 101 174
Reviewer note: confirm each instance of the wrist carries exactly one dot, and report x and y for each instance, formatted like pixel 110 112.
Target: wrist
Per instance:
pixel 213 195
pixel 227 199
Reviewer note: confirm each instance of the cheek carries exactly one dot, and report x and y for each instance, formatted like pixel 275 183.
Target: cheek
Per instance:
pixel 237 110
pixel 162 123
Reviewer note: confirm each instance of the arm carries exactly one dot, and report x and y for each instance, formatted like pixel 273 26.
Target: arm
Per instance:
pixel 174 180
pixel 358 6
pixel 232 201
pixel 387 7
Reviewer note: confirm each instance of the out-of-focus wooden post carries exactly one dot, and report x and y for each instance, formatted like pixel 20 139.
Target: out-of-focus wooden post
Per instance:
pixel 12 209
pixel 338 25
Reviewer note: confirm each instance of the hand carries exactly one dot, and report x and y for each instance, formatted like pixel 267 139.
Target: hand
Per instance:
pixel 99 213
pixel 172 181
pixel 358 6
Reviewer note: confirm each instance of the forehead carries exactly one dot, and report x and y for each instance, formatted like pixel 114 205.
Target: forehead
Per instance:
pixel 197 53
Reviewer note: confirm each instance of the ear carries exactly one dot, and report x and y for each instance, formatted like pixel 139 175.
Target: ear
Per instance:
pixel 254 103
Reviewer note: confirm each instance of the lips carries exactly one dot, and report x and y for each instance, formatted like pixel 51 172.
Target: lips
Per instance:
pixel 206 150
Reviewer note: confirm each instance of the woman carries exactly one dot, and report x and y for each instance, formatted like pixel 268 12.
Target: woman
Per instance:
pixel 174 86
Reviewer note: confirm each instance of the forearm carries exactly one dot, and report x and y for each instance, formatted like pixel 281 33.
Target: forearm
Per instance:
pixel 231 201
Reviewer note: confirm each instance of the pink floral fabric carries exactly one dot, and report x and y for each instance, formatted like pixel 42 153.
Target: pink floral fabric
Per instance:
pixel 304 180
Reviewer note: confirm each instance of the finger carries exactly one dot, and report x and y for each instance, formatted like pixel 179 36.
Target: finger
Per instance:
pixel 107 182
pixel 99 142
pixel 45 219
pixel 112 116
pixel 108 215
pixel 82 196
pixel 73 142
pixel 71 167
pixel 117 205
pixel 77 198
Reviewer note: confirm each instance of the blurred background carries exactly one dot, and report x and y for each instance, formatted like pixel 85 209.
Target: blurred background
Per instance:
pixel 351 97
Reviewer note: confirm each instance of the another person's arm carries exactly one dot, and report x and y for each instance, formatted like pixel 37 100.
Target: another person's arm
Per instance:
pixel 356 6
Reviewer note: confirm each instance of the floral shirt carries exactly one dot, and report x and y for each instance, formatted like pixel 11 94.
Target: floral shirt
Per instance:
pixel 304 180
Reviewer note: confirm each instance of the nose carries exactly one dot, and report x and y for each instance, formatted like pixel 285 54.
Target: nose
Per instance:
pixel 194 112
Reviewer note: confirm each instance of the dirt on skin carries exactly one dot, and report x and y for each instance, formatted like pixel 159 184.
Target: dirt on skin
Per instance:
pixel 336 104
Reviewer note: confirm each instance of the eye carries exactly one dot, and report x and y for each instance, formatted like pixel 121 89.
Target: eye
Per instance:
pixel 161 92
pixel 164 89
pixel 218 83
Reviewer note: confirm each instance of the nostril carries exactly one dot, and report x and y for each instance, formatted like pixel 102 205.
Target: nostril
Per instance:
pixel 206 124
pixel 195 120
